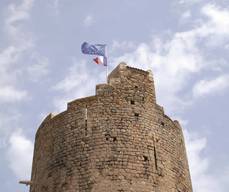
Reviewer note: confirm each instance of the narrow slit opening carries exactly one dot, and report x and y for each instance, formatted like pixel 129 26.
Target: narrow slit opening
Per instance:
pixel 155 157
pixel 86 127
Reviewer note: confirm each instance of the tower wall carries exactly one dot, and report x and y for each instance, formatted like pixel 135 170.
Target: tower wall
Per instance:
pixel 119 140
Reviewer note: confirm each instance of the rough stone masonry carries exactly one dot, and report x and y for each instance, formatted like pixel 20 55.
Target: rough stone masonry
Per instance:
pixel 119 140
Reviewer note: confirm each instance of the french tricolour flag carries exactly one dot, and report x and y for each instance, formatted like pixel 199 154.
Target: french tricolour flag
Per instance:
pixel 95 49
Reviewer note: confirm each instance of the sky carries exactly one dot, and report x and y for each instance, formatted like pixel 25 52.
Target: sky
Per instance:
pixel 184 42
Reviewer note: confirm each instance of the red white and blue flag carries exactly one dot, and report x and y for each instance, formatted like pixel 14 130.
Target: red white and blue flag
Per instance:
pixel 95 49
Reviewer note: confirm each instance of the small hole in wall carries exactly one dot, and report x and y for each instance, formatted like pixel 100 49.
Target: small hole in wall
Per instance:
pixel 107 136
pixel 145 158
pixel 162 123
pixel 135 86
pixel 136 114
pixel 114 139
pixel 132 102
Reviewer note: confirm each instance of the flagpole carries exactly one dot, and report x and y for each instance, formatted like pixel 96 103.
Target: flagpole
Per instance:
pixel 107 73
pixel 106 53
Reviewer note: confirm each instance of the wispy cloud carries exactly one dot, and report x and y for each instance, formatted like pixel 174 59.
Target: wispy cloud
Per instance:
pixel 10 94
pixel 56 6
pixel 88 21
pixel 219 19
pixel 204 179
pixel 213 86
pixel 123 46
pixel 20 154
pixel 18 51
pixel 186 15
pixel 11 55
pixel 17 14
pixel 79 81
pixel 38 68
pixel 190 2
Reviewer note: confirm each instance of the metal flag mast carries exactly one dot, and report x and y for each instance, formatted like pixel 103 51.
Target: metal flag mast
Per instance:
pixel 106 56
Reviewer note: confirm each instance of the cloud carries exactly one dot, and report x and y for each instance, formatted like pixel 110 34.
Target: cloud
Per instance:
pixel 56 6
pixel 179 58
pixel 20 50
pixel 214 86
pixel 8 120
pixel 14 52
pixel 16 14
pixel 77 74
pixel 219 19
pixel 88 21
pixel 8 91
pixel 204 179
pixel 172 62
pixel 190 2
pixel 10 94
pixel 39 68
pixel 19 155
pixel 186 15
pixel 79 81
pixel 122 46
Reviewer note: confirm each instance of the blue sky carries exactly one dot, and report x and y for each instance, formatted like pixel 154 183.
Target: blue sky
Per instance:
pixel 184 42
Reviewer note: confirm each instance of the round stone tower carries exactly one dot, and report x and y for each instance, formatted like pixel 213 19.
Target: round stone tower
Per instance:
pixel 119 140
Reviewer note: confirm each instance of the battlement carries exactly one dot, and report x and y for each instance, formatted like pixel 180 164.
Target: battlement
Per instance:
pixel 121 77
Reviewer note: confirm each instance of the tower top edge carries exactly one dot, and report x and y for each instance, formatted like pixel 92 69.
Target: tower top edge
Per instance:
pixel 122 66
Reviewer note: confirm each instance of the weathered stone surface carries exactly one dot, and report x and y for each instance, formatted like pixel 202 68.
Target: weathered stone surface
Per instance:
pixel 119 140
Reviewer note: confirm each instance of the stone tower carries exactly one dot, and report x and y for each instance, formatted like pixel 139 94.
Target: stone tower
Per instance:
pixel 119 140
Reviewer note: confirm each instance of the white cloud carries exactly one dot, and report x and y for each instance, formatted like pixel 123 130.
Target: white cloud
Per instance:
pixel 16 14
pixel 77 75
pixel 10 94
pixel 8 121
pixel 122 46
pixel 190 2
pixel 177 59
pixel 186 15
pixel 88 20
pixel 172 62
pixel 8 91
pixel 11 55
pixel 214 86
pixel 20 50
pixel 20 154
pixel 79 82
pixel 202 180
pixel 219 19
pixel 39 69
pixel 55 4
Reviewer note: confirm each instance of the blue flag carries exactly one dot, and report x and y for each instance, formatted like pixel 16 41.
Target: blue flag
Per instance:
pixel 96 49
